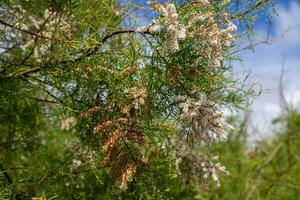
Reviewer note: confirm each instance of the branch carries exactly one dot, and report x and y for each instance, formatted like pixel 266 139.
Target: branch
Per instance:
pixel 251 46
pixel 6 175
pixel 87 54
pixel 22 73
pixel 254 7
pixel 282 99
pixel 57 176
pixel 27 31
pixel 261 170
pixel 92 51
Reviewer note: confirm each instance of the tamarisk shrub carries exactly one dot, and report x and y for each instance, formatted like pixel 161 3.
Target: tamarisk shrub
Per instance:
pixel 145 100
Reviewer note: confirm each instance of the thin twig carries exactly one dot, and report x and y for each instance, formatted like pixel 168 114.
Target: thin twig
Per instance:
pixel 261 170
pixel 251 46
pixel 28 31
pixel 22 73
pixel 249 10
pixel 88 53
pixel 285 107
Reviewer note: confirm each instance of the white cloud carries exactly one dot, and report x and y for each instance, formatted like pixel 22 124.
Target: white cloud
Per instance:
pixel 289 20
pixel 266 64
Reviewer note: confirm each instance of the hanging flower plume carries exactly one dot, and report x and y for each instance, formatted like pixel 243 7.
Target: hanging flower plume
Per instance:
pixel 174 30
pixel 202 121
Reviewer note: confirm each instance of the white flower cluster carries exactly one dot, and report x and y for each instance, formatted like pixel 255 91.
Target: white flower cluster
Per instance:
pixel 68 123
pixel 203 120
pixel 202 1
pixel 209 168
pixel 206 2
pixel 191 165
pixel 137 96
pixel 212 31
pixel 75 164
pixel 202 123
pixel 174 30
pixel 45 26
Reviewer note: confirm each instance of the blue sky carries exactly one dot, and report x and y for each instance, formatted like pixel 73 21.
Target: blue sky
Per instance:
pixel 265 63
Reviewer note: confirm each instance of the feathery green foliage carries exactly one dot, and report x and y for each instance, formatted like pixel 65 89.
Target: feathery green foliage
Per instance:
pixel 93 109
